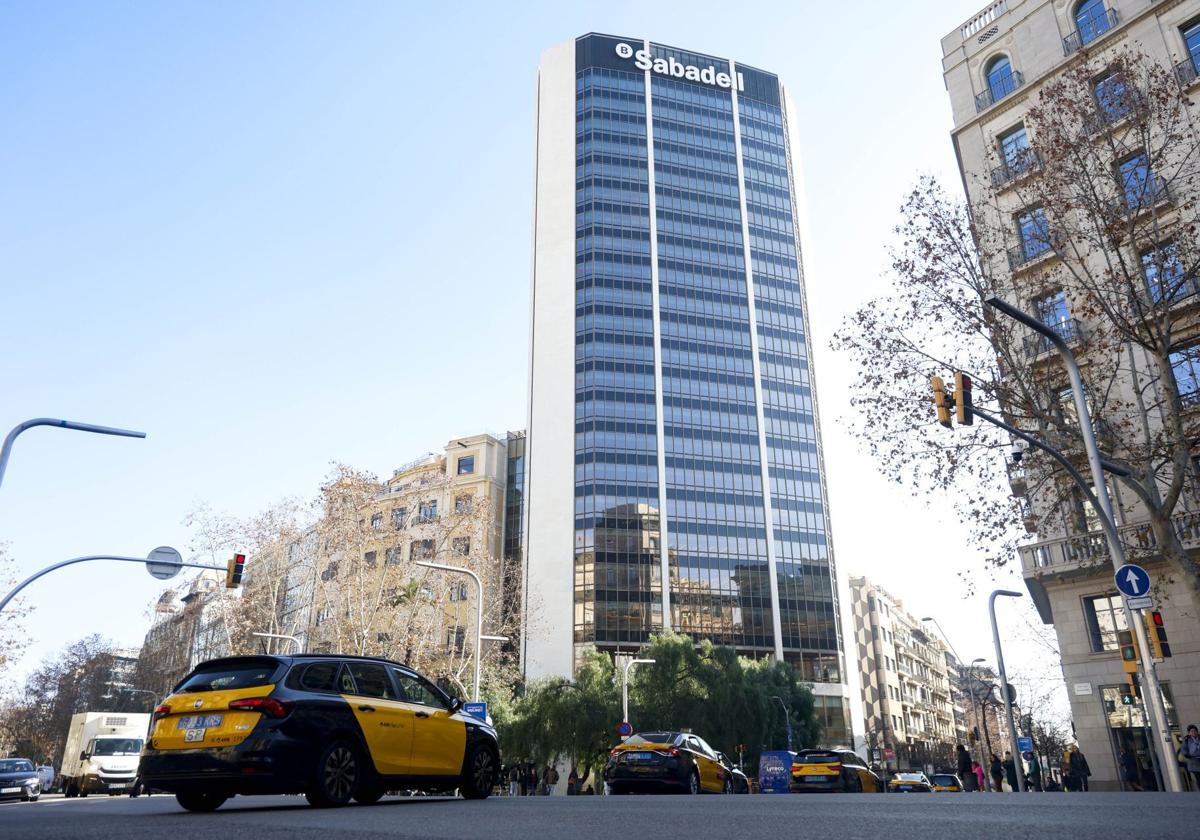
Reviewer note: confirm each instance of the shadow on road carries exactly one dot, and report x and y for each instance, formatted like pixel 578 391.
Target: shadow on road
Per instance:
pixel 291 803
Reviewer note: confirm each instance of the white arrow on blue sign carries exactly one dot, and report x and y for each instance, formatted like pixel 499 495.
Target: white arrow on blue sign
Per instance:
pixel 1132 580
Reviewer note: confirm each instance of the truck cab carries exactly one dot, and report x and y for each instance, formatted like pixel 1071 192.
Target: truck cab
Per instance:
pixel 103 752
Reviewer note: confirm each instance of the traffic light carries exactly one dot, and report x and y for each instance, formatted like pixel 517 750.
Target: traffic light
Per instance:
pixel 1129 651
pixel 233 571
pixel 1131 693
pixel 962 399
pixel 939 401
pixel 1157 632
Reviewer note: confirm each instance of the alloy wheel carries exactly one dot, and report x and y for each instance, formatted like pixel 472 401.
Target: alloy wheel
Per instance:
pixel 483 773
pixel 340 773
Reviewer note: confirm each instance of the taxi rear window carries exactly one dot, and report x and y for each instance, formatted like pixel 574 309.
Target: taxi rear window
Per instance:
pixel 652 738
pixel 817 758
pixel 230 674
pixel 945 780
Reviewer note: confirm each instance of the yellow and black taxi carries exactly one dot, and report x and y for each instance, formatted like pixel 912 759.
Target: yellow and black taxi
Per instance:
pixel 832 770
pixel 945 783
pixel 911 783
pixel 666 762
pixel 741 784
pixel 335 728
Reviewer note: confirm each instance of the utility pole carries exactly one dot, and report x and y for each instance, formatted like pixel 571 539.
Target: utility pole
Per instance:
pixel 1155 708
pixel 625 685
pixel 1005 696
pixel 10 438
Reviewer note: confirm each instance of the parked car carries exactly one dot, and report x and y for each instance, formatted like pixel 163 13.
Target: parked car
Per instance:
pixel 666 762
pixel 911 783
pixel 832 770
pixel 946 783
pixel 741 784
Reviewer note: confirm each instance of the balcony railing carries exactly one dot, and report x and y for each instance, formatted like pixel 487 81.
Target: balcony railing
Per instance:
pixel 981 20
pixel 1069 329
pixel 1141 197
pixel 998 89
pixel 1029 251
pixel 1066 553
pixel 1090 30
pixel 1186 70
pixel 1022 163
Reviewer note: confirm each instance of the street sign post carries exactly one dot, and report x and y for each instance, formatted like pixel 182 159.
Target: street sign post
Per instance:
pixel 1024 744
pixel 478 710
pixel 1132 581
pixel 164 562
pixel 1143 603
pixel 624 729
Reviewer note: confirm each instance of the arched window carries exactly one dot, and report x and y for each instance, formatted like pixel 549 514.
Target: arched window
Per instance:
pixel 1092 20
pixel 1001 80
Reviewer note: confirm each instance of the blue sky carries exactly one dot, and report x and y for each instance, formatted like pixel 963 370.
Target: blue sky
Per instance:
pixel 274 235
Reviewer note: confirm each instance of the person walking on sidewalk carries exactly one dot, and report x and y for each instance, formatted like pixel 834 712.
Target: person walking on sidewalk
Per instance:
pixel 965 774
pixel 1078 766
pixel 1010 771
pixel 997 771
pixel 977 771
pixel 1190 750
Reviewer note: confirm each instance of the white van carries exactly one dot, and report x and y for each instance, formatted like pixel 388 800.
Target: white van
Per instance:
pixel 103 749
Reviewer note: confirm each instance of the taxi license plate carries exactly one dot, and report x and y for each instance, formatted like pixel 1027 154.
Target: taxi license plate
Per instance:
pixel 191 736
pixel 905 787
pixel 10 790
pixel 816 778
pixel 199 721
pixel 120 786
pixel 639 756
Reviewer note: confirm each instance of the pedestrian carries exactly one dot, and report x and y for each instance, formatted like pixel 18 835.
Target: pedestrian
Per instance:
pixel 977 771
pixel 1079 768
pixel 965 774
pixel 1034 775
pixel 1190 750
pixel 514 780
pixel 532 780
pixel 1131 772
pixel 572 782
pixel 1010 771
pixel 997 771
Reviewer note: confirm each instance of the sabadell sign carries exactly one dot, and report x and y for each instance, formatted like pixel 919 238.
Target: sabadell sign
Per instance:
pixel 670 66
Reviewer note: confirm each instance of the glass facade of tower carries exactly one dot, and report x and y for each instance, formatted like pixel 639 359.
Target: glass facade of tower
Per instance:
pixel 713 388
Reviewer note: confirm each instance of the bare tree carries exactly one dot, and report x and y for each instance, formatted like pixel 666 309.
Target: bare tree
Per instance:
pixel 1093 226
pixel 12 620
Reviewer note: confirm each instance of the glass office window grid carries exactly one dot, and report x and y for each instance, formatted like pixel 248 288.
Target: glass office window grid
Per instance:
pixel 618 575
pixel 807 602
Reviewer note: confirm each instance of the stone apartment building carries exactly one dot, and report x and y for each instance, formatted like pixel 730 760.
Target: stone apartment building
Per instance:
pixel 995 66
pixel 914 707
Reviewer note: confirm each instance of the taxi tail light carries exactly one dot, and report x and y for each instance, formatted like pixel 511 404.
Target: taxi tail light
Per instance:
pixel 268 706
pixel 162 710
pixel 673 752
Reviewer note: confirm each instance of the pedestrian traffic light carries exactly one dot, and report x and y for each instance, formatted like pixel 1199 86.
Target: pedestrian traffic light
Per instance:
pixel 962 399
pixel 1129 651
pixel 233 571
pixel 1157 632
pixel 939 401
pixel 1131 693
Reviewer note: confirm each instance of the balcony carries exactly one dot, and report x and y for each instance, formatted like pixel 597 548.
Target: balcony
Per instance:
pixel 1069 329
pixel 1031 251
pixel 1001 88
pixel 1090 30
pixel 1083 551
pixel 1022 163
pixel 981 21
pixel 1140 197
pixel 1186 71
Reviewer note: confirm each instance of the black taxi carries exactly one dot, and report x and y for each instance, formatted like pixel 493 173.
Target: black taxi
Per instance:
pixel 335 728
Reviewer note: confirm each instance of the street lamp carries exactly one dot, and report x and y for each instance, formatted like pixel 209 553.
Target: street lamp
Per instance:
pixel 1155 707
pixel 974 699
pixel 479 637
pixel 1007 698
pixel 787 719
pixel 6 447
pixel 625 685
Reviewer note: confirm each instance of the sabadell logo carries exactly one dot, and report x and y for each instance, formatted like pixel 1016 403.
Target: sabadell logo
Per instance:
pixel 670 66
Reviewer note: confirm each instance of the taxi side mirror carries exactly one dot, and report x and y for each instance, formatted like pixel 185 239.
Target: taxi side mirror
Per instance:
pixel 455 704
pixel 83 756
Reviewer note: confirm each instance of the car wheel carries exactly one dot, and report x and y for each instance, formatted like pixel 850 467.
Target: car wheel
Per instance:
pixel 479 772
pixel 694 783
pixel 34 798
pixel 200 801
pixel 338 775
pixel 853 785
pixel 369 795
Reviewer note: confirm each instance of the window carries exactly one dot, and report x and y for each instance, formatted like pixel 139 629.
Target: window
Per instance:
pixel 1164 274
pixel 427 511
pixel 330 572
pixel 1034 232
pixel 320 677
pixel 464 503
pixel 421 550
pixel 456 638
pixel 377 521
pixel 1092 20
pixel 1014 149
pixel 370 558
pixel 1052 310
pixel 461 546
pixel 466 465
pixel 399 517
pixel 458 592
pixel 371 680
pixel 391 556
pixel 1105 618
pixel 413 689
pixel 1113 97
pixel 1001 81
pixel 1137 183
pixel 1185 364
pixel 1191 39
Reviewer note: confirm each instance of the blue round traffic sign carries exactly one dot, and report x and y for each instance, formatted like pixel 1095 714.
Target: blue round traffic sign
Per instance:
pixel 624 729
pixel 1132 580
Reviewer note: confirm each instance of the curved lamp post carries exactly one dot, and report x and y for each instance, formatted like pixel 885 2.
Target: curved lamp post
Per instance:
pixel 10 438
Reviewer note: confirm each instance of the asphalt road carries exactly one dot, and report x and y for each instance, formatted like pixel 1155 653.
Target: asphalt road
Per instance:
pixel 1096 816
